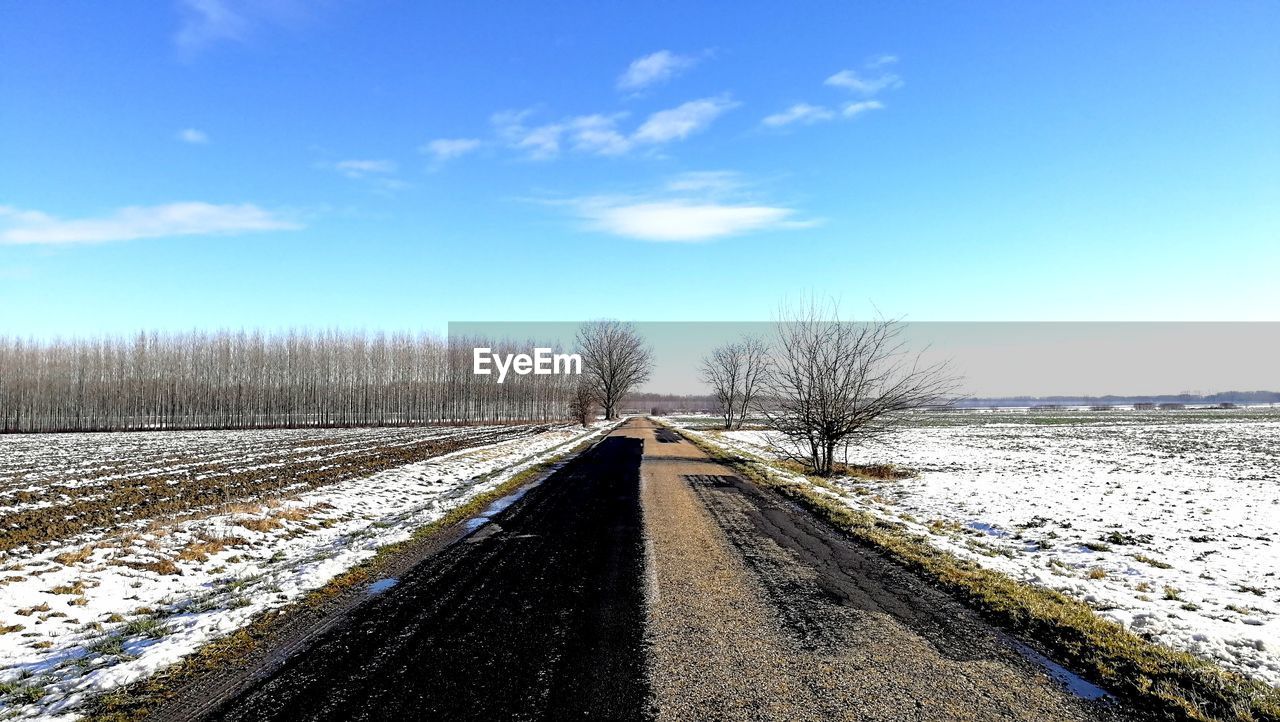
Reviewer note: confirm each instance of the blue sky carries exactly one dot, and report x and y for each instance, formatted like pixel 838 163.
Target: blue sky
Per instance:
pixel 210 163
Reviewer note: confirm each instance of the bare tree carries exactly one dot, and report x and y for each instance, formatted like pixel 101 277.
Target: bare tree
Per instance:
pixel 832 383
pixel 755 368
pixel 615 360
pixel 722 371
pixel 735 372
pixel 582 404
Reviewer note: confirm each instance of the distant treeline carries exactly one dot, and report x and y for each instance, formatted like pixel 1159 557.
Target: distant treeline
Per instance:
pixel 1225 397
pixel 645 402
pixel 242 380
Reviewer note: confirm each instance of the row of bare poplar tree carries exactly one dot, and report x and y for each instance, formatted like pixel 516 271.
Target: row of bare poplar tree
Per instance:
pixel 239 380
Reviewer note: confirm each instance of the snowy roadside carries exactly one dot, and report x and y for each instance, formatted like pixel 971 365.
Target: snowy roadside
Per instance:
pixel 1167 529
pixel 84 618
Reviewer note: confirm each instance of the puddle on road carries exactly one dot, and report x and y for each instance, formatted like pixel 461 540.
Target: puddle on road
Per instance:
pixel 667 436
pixel 1076 684
pixel 500 505
pixel 382 585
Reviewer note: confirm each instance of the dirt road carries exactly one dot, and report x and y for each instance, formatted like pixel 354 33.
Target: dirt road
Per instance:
pixel 645 581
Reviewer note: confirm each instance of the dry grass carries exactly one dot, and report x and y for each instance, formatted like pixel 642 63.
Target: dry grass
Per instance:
pixel 878 472
pixel 1177 685
pixel 260 525
pixel 66 559
pixel 300 513
pixel 1152 561
pixel 201 548
pixel 76 588
pixel 160 566
pixel 239 508
pixel 870 472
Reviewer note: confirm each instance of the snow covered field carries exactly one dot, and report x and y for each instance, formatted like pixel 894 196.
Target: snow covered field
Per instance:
pixel 94 611
pixel 1168 523
pixel 54 486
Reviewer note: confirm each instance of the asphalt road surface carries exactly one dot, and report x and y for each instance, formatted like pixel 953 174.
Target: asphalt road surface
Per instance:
pixel 644 581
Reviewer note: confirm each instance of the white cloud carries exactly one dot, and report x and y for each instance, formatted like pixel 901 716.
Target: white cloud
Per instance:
pixel 705 181
pixel 365 168
pixel 680 220
pixel 851 110
pixel 539 142
pixel 449 148
pixel 543 141
pixel 600 134
pixel 851 80
pixel 690 207
pixel 193 136
pixel 205 22
pixel 655 68
pixel 380 174
pixel 192 218
pixel 865 85
pixel 799 113
pixel 682 121
pixel 597 134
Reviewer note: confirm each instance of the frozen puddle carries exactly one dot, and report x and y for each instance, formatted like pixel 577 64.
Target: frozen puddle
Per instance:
pixel 1074 683
pixel 382 585
pixel 500 505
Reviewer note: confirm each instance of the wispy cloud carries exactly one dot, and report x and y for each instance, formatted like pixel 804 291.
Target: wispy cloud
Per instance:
pixel 379 174
pixel 682 121
pixel 851 80
pixel 193 136
pixel 205 22
pixel 689 208
pixel 600 134
pixel 541 141
pixel 799 113
pixel 193 218
pixel 365 168
pixel 709 182
pixel 445 149
pixel 654 68
pixel 597 134
pixel 859 107
pixel 868 82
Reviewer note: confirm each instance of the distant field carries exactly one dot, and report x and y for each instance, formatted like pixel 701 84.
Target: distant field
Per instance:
pixel 1039 417
pixel 1164 521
